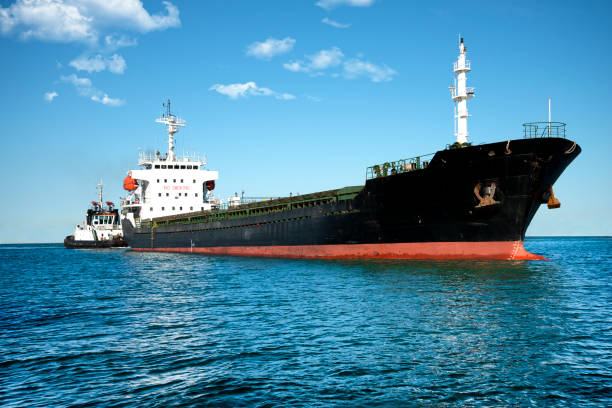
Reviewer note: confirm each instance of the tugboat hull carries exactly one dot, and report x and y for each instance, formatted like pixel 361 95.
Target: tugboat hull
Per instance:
pixel 71 243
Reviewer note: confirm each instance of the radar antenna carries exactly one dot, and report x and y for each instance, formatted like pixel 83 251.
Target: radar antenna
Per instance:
pixel 173 122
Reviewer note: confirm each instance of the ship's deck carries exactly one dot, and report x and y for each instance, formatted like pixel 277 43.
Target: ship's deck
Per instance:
pixel 259 207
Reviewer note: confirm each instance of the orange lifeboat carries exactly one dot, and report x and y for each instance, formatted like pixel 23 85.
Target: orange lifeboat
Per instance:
pixel 129 183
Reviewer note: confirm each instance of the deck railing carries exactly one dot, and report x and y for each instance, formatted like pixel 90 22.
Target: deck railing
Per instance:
pixel 467 65
pixel 543 129
pixel 398 166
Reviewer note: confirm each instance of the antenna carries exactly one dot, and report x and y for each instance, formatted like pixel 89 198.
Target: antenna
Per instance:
pixel 549 116
pixel 100 193
pixel 173 124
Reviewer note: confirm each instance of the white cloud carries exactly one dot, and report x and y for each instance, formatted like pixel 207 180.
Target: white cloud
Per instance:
pixel 235 91
pixel 355 68
pixel 271 47
pixel 93 23
pixel 326 58
pixel 76 81
pixel 295 66
pixel 284 96
pixel 115 64
pixel 314 98
pixel 113 42
pixel 49 96
pixel 334 23
pixel 315 63
pixel 47 20
pixel 105 100
pixel 93 64
pixel 85 88
pixel 81 20
pixel 330 4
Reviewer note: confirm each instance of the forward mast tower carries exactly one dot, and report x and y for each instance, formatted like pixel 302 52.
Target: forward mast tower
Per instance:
pixel 460 93
pixel 173 124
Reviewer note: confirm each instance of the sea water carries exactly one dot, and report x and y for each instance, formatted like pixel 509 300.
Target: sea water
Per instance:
pixel 123 328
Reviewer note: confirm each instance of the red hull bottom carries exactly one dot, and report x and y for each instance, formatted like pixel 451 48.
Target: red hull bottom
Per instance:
pixel 508 250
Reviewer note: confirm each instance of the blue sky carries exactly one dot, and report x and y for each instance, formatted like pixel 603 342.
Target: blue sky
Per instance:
pixel 289 96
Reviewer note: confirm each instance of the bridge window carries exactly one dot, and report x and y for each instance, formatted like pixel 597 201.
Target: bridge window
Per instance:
pixel 157 166
pixel 194 181
pixel 172 208
pixel 150 208
pixel 165 180
pixel 174 180
pixel 162 208
pixel 188 167
pixel 176 166
pixel 183 167
pixel 181 180
pixel 158 180
pixel 167 194
pixel 159 194
pixel 190 208
pixel 163 166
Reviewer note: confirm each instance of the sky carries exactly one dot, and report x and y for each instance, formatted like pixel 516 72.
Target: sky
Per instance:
pixel 289 96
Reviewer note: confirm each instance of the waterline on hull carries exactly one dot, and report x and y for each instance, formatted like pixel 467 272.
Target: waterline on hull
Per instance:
pixel 503 250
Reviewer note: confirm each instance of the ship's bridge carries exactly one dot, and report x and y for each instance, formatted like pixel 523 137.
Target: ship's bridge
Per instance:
pixel 168 184
pixel 171 187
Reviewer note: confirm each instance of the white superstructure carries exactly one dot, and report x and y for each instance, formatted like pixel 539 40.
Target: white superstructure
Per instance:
pixel 101 224
pixel 460 93
pixel 168 184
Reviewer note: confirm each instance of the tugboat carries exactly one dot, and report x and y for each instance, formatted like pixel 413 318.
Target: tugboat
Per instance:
pixel 463 202
pixel 101 228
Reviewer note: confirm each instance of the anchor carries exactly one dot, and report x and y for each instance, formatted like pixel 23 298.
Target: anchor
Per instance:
pixel 553 202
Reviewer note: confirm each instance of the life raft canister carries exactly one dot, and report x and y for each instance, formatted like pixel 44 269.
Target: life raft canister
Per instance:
pixel 129 183
pixel 210 185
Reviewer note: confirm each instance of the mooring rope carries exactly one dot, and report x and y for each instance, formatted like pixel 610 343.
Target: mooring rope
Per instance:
pixel 508 151
pixel 571 149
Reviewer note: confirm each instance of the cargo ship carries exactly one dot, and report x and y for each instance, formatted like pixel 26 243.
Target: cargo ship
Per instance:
pixel 100 229
pixel 463 202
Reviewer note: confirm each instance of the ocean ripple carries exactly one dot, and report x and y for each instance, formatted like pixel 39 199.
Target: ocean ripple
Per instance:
pixel 120 328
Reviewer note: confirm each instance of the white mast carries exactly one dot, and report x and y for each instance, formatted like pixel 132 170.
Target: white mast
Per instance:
pixel 173 123
pixel 100 193
pixel 460 94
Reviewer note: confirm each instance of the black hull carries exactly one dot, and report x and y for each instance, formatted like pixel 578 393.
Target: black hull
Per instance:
pixel 70 243
pixel 436 204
